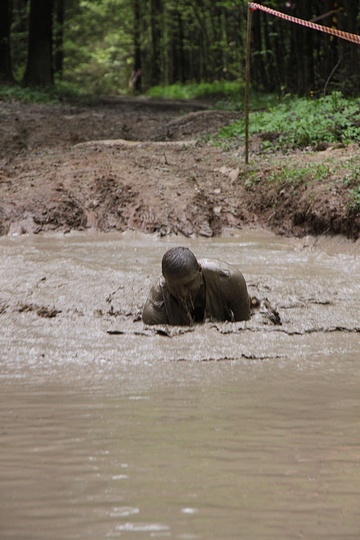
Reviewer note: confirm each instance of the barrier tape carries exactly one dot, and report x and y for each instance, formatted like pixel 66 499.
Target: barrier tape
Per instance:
pixel 333 31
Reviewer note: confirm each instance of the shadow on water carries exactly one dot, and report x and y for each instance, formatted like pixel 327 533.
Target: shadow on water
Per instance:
pixel 111 429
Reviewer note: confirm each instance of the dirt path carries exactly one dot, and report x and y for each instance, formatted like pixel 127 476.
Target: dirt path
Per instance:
pixel 142 164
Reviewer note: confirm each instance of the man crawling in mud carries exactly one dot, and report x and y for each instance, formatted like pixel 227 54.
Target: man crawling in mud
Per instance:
pixel 192 291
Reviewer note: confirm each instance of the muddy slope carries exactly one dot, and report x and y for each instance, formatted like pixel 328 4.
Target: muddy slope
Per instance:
pixel 143 164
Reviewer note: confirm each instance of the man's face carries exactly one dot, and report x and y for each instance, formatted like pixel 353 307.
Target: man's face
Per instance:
pixel 186 287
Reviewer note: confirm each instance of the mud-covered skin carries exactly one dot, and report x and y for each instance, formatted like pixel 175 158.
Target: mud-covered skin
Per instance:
pixel 222 296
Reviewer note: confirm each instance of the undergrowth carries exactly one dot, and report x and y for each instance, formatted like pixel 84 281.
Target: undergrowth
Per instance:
pixel 30 95
pixel 343 175
pixel 300 123
pixel 225 95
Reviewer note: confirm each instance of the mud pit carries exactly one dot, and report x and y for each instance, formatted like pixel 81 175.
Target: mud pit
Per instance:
pixel 111 428
pixel 143 165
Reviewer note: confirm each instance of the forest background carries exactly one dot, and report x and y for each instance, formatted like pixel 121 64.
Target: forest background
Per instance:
pixel 113 46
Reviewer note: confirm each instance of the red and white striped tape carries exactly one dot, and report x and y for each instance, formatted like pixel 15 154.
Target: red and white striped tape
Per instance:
pixel 333 31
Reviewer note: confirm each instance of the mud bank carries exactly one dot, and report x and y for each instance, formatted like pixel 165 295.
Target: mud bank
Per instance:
pixel 141 165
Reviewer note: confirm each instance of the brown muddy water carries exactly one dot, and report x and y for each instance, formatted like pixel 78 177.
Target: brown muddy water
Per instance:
pixel 110 429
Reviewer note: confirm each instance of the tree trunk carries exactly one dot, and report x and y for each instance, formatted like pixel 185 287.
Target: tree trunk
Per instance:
pixel 177 54
pixel 135 82
pixel 5 59
pixel 349 67
pixel 269 28
pixel 257 67
pixel 59 37
pixel 155 16
pixel 305 72
pixel 39 67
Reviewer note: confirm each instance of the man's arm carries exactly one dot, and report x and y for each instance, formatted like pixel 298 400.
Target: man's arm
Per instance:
pixel 154 309
pixel 237 296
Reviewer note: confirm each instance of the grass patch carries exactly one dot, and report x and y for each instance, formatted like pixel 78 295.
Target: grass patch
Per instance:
pixel 337 176
pixel 223 95
pixel 292 175
pixel 52 95
pixel 351 179
pixel 28 95
pixel 354 199
pixel 215 90
pixel 300 123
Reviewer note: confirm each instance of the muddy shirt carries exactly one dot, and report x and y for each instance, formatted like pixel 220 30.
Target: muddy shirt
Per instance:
pixel 223 297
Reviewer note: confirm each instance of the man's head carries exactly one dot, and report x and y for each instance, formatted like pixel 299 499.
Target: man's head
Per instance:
pixel 182 273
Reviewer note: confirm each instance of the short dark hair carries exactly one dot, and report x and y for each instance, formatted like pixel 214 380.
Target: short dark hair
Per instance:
pixel 178 261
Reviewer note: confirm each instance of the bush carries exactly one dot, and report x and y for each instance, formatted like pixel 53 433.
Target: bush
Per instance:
pixel 302 122
pixel 226 95
pixel 18 93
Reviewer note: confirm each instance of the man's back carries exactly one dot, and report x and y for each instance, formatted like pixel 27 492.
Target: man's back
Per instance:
pixel 223 297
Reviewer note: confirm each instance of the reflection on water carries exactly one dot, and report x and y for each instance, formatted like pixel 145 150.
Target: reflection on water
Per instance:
pixel 227 431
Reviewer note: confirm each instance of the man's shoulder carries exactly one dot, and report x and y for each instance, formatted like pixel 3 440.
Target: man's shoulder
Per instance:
pixel 159 284
pixel 153 311
pixel 216 265
pixel 221 273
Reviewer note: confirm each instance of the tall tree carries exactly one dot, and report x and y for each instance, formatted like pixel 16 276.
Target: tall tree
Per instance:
pixel 156 9
pixel 136 76
pixel 59 37
pixel 5 58
pixel 349 53
pixel 39 66
pixel 303 43
pixel 302 59
pixel 168 41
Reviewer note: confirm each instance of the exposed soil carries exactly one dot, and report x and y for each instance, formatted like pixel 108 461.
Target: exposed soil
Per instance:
pixel 143 164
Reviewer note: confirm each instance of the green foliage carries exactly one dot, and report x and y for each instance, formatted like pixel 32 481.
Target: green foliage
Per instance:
pixel 33 95
pixel 351 178
pixel 311 171
pixel 354 199
pixel 343 175
pixel 63 91
pixel 98 46
pixel 224 95
pixel 351 172
pixel 186 41
pixel 301 122
pixel 205 90
pixel 293 174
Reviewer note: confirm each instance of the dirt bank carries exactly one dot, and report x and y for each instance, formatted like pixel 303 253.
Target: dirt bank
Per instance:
pixel 143 164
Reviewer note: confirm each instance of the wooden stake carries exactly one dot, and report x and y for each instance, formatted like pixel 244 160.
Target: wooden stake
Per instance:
pixel 247 83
